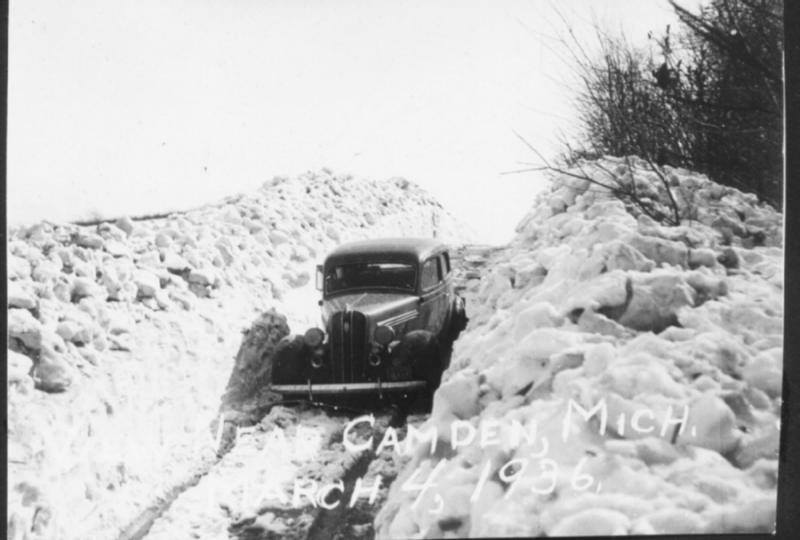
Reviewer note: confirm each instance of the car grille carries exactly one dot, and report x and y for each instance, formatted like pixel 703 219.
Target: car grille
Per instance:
pixel 348 346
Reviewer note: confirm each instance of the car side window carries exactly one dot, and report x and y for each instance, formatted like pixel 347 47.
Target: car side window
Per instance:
pixel 446 263
pixel 431 273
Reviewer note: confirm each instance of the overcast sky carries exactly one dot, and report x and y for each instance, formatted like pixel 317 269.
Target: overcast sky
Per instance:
pixel 144 106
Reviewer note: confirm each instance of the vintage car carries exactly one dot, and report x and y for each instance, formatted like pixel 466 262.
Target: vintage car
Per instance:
pixel 389 319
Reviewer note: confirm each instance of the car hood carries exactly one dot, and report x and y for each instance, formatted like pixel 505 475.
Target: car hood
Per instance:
pixel 373 305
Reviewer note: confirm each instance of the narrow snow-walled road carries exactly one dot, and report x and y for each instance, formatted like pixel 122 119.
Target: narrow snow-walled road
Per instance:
pixel 124 335
pixel 307 471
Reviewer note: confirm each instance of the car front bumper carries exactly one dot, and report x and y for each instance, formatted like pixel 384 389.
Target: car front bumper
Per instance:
pixel 348 388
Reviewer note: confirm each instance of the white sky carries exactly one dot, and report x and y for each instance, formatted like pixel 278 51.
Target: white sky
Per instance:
pixel 145 106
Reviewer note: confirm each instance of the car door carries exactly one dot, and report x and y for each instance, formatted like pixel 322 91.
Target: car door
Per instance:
pixel 433 295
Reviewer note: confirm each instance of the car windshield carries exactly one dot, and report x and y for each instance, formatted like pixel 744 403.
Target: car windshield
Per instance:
pixel 390 275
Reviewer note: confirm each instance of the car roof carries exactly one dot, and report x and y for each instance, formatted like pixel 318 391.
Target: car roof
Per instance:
pixel 392 248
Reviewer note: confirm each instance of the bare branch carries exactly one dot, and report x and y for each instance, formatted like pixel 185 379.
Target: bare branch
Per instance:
pixel 676 215
pixel 529 169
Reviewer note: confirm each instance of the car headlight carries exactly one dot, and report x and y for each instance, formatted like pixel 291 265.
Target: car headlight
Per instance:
pixel 384 335
pixel 314 337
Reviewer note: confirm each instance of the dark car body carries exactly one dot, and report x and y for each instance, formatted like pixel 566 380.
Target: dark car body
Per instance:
pixel 389 313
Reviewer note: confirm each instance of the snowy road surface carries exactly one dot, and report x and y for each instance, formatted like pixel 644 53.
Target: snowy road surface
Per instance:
pixel 291 476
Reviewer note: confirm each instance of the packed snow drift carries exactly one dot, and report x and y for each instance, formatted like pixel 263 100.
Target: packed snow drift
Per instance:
pixel 122 336
pixel 618 376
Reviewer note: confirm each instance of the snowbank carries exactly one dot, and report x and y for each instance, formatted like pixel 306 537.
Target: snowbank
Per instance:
pixel 617 376
pixel 122 335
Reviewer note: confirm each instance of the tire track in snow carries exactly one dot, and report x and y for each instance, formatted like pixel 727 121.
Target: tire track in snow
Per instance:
pixel 342 520
pixel 227 501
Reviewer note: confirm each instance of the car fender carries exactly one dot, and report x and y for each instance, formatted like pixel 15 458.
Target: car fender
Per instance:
pixel 290 363
pixel 420 349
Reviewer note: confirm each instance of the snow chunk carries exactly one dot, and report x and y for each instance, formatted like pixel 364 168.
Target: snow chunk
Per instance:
pixel 592 522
